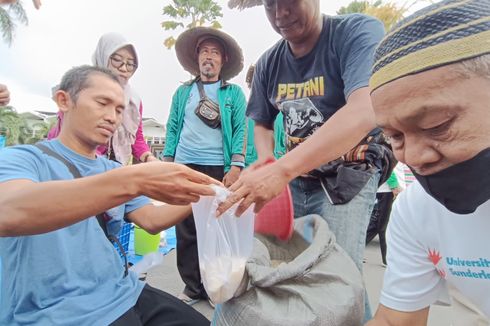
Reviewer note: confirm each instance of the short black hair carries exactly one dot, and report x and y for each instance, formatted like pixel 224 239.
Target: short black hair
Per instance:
pixel 76 79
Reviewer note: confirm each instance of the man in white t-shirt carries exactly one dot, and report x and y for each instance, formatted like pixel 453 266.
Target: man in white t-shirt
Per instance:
pixel 431 95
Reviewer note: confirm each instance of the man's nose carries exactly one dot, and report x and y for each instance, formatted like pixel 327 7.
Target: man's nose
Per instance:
pixel 282 9
pixel 110 115
pixel 419 154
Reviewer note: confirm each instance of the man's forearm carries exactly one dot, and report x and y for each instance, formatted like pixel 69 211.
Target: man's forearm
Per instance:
pixel 264 141
pixel 342 132
pixel 28 208
pixel 390 317
pixel 155 219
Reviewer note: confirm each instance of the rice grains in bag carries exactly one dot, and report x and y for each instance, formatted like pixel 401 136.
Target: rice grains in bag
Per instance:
pixel 224 245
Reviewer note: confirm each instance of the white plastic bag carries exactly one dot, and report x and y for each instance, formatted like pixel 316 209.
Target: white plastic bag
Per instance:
pixel 149 261
pixel 224 245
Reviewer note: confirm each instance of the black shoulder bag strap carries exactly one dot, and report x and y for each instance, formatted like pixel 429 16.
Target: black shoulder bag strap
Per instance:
pixel 202 94
pixel 100 217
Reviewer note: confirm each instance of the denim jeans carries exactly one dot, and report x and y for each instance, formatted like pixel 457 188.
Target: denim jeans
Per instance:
pixel 348 222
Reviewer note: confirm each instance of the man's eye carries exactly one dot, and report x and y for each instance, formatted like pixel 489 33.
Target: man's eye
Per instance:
pixel 439 129
pixel 395 139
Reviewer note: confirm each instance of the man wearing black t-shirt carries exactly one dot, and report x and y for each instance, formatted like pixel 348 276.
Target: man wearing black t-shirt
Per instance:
pixel 317 76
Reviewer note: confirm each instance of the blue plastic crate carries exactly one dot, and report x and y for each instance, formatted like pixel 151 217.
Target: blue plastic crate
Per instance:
pixel 124 237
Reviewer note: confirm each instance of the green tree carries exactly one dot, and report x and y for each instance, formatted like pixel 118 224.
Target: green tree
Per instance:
pixel 10 15
pixel 38 131
pixel 388 12
pixel 185 14
pixel 356 7
pixel 12 11
pixel 14 126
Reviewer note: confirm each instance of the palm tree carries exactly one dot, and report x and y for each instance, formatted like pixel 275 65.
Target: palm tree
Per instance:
pixel 9 15
pixel 12 11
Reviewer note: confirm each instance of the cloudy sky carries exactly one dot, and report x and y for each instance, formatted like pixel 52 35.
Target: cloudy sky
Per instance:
pixel 64 33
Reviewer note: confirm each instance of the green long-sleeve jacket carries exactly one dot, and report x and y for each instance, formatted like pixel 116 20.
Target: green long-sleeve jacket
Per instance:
pixel 279 140
pixel 232 105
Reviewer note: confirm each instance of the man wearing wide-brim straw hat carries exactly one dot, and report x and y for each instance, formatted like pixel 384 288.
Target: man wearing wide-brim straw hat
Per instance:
pixel 317 75
pixel 188 43
pixel 206 129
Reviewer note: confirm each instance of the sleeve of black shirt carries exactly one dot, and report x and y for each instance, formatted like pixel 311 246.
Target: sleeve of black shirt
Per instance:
pixel 259 107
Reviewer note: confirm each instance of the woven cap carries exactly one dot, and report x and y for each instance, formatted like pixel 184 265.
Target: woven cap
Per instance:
pixel 441 34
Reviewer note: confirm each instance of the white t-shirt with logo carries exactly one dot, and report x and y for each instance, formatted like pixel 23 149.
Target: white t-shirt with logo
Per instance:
pixel 430 247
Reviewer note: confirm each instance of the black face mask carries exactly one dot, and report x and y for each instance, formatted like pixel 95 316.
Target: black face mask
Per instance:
pixel 463 187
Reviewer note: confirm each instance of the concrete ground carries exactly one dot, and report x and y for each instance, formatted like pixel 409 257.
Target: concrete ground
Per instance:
pixel 166 277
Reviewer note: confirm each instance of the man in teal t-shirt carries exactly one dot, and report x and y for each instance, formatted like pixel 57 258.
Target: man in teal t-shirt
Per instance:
pixel 58 267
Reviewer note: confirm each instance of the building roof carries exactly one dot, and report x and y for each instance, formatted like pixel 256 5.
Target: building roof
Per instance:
pixel 152 123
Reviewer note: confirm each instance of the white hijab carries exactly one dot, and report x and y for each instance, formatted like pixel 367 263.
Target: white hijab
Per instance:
pixel 125 135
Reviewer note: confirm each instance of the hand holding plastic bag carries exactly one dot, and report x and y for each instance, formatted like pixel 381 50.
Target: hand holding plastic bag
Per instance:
pixel 224 245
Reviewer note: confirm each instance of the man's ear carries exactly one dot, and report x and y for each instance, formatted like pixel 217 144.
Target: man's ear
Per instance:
pixel 63 100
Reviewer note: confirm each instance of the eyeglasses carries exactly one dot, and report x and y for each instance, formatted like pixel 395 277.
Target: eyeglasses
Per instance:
pixel 118 62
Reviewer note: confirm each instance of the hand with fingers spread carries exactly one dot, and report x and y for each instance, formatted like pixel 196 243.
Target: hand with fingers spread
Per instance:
pixel 174 183
pixel 261 183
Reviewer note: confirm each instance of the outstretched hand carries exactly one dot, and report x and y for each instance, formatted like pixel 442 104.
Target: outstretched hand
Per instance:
pixel 257 185
pixel 174 183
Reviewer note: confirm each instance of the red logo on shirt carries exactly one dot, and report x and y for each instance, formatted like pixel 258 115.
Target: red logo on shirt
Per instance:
pixel 435 258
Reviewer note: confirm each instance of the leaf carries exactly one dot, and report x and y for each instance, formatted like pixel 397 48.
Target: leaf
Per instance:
pixel 19 12
pixel 169 42
pixel 171 25
pixel 189 14
pixel 216 24
pixel 7 26
pixel 199 12
pixel 170 11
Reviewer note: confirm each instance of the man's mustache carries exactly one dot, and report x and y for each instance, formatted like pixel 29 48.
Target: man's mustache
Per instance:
pixel 208 62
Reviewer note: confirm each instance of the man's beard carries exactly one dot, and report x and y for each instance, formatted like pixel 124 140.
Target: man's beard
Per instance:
pixel 207 69
pixel 209 74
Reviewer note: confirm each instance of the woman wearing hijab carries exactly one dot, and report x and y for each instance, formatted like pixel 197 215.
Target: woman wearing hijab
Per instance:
pixel 117 54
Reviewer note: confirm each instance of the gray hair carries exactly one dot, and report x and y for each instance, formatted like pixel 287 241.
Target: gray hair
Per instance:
pixel 76 79
pixel 479 66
